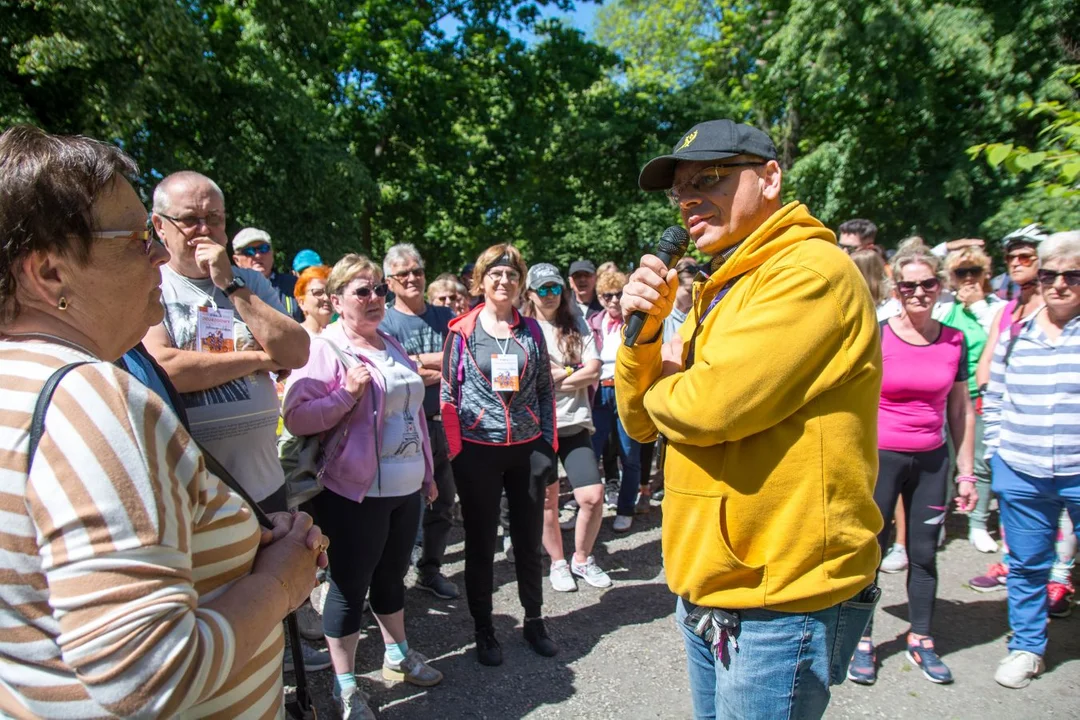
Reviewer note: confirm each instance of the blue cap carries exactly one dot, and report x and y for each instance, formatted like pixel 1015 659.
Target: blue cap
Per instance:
pixel 305 259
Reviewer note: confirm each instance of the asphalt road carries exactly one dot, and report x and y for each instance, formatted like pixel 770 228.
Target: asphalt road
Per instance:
pixel 621 656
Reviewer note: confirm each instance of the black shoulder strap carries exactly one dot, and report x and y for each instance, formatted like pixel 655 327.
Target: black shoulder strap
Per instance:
pixel 301 706
pixel 37 423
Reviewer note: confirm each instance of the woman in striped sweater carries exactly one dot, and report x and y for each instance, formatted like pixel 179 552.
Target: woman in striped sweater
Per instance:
pixel 134 582
pixel 1031 410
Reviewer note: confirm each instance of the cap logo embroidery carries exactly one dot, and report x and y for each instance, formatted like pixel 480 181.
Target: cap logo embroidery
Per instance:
pixel 689 139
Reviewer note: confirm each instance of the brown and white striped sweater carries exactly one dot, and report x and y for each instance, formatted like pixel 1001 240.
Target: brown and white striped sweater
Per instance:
pixel 109 550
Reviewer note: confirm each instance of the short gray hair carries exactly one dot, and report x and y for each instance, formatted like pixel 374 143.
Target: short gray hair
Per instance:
pixel 1060 246
pixel 162 199
pixel 400 253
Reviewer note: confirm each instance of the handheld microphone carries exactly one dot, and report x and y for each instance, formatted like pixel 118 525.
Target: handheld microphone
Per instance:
pixel 670 249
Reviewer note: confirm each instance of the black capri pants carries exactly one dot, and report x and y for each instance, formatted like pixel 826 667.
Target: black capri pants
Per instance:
pixel 370 548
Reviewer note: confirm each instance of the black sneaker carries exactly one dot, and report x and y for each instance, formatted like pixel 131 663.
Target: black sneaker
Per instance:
pixel 438 586
pixel 537 637
pixel 488 651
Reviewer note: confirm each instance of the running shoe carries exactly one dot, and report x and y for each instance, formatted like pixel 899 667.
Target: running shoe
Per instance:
pixel 895 560
pixel 922 655
pixel 414 669
pixel 994 579
pixel 622 523
pixel 562 580
pixel 1018 668
pixel 591 573
pixel 982 541
pixel 863 667
pixel 1060 598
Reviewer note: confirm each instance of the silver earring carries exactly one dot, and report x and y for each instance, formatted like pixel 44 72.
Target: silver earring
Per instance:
pixel 62 304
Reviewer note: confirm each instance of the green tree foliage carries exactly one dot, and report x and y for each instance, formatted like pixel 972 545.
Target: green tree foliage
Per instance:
pixel 873 103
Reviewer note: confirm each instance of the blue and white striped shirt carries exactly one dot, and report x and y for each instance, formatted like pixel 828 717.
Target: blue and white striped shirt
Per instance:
pixel 1031 409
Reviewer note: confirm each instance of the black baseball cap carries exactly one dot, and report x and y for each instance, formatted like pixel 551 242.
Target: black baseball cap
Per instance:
pixel 579 266
pixel 711 140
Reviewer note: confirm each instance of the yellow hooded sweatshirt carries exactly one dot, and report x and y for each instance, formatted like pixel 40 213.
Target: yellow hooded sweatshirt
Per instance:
pixel 772 431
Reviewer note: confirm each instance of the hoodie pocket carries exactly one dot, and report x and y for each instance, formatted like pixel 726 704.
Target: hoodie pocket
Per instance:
pixel 478 419
pixel 700 562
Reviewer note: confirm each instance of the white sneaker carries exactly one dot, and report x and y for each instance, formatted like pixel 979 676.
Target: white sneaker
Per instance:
pixel 318 596
pixel 1018 668
pixel 354 705
pixel 508 548
pixel 561 579
pixel 591 573
pixel 982 540
pixel 895 560
pixel 622 523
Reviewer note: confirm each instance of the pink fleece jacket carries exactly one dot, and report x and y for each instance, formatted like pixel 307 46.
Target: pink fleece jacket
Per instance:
pixel 316 402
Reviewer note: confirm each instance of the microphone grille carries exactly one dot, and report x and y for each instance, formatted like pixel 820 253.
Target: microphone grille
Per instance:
pixel 674 242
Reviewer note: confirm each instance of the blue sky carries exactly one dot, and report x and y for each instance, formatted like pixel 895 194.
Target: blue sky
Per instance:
pixel 582 18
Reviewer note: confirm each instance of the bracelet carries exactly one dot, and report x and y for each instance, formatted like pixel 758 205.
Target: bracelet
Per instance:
pixel 569 371
pixel 966 478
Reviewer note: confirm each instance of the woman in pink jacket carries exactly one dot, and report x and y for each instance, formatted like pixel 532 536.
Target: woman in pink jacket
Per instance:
pixel 362 393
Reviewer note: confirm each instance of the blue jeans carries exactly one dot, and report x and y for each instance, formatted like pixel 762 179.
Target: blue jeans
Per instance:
pixel 783 666
pixel 1030 508
pixel 605 412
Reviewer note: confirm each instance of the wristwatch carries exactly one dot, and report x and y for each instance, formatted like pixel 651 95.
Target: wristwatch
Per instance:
pixel 236 284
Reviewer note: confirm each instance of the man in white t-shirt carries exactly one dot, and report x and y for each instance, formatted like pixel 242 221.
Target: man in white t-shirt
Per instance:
pixel 224 332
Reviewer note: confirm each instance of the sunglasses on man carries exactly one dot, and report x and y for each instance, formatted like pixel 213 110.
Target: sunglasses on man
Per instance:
pixel 908 287
pixel 1049 277
pixel 364 293
pixel 253 250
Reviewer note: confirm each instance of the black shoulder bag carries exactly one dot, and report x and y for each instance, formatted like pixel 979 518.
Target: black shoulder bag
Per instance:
pixel 301 707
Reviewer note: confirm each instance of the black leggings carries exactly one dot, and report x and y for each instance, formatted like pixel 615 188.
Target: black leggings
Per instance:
pixel 922 480
pixel 576 453
pixel 482 473
pixel 371 546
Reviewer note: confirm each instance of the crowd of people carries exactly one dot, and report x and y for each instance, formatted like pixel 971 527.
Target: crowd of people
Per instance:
pixel 473 397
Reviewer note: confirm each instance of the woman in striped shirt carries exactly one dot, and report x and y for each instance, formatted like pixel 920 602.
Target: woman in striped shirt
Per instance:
pixel 134 583
pixel 1031 410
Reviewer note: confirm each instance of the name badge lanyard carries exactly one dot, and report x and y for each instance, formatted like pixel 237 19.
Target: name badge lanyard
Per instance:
pixel 715 301
pixel 504 367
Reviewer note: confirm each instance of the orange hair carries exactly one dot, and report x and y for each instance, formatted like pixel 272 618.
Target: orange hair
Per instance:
pixel 315 272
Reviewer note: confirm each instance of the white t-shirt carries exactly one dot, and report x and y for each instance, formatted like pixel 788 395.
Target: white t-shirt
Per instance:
pixel 572 410
pixel 236 421
pixel 401 450
pixel 612 333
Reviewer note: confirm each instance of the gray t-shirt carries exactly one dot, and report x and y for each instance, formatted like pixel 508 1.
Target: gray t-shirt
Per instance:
pixel 236 421
pixel 420 334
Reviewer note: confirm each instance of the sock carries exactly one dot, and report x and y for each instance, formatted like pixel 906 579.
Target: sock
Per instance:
pixel 396 652
pixel 344 681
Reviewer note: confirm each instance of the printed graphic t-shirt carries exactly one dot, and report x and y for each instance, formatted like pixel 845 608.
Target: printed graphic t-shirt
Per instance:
pixel 915 386
pixel 420 334
pixel 236 421
pixel 401 447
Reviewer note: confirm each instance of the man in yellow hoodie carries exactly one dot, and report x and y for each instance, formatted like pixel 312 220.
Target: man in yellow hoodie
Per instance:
pixel 768 400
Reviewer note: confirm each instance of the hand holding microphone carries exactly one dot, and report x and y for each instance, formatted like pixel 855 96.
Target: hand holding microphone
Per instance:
pixel 650 294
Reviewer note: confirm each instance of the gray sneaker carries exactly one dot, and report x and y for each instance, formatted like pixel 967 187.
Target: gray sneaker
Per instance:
pixel 309 623
pixel 591 573
pixel 414 669
pixel 314 660
pixel 895 560
pixel 1018 668
pixel 354 705
pixel 560 577
pixel 569 524
pixel 508 548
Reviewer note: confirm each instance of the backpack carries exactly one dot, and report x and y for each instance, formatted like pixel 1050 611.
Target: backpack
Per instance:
pixel 300 454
